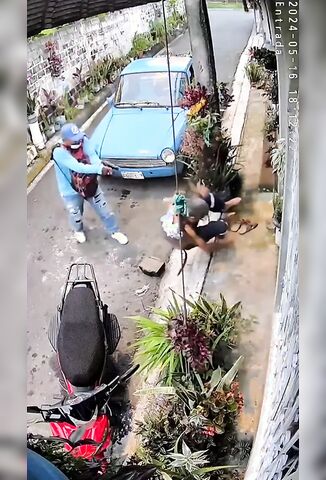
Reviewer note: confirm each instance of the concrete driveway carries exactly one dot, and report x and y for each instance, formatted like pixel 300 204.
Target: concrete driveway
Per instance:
pixel 139 207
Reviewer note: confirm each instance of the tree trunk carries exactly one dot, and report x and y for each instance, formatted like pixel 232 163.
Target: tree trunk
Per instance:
pixel 202 46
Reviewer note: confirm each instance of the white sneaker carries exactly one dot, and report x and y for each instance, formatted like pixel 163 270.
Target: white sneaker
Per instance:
pixel 80 237
pixel 120 237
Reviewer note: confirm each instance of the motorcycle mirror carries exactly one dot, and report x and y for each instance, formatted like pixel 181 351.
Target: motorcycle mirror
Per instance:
pixel 129 373
pixel 33 409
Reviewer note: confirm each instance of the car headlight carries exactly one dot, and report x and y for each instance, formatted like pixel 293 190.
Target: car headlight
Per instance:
pixel 168 155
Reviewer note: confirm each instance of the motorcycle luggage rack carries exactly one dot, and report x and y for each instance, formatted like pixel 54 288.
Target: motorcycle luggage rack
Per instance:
pixel 81 273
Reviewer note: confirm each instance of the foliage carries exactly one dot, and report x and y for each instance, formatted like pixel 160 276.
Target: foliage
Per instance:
pixel 160 429
pixel 31 103
pixel 217 319
pixel 206 150
pixel 205 125
pixel 254 72
pixel 170 344
pixel 264 57
pixel 73 468
pixel 195 94
pixel 278 208
pixel 54 58
pixel 142 42
pixel 278 159
pixel 192 145
pixel 77 74
pixel 216 170
pixel 271 87
pixel 155 348
pixel 224 95
pixel 200 414
pixel 157 31
pixel 271 124
pixel 190 340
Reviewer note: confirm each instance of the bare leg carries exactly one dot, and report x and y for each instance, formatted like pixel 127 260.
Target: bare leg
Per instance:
pixel 232 203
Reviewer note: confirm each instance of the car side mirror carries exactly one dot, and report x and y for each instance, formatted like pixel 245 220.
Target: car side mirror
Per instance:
pixel 110 101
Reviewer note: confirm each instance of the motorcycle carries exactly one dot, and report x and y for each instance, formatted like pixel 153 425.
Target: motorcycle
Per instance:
pixel 84 336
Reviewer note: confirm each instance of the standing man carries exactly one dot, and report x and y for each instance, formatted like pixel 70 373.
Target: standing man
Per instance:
pixel 77 166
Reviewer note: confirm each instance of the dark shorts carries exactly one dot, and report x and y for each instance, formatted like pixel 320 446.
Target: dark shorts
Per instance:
pixel 212 230
pixel 215 204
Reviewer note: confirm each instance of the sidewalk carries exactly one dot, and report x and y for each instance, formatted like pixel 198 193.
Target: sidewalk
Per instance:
pixel 247 273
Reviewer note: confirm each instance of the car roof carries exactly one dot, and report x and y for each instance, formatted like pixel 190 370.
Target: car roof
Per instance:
pixel 158 64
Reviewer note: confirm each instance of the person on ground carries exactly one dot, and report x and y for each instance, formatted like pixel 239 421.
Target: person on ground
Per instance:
pixel 194 235
pixel 77 166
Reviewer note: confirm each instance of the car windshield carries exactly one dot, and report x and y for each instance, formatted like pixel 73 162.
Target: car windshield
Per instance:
pixel 150 89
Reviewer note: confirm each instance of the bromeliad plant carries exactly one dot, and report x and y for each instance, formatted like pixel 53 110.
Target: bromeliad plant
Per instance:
pixel 188 428
pixel 197 413
pixel 172 346
pixel 206 150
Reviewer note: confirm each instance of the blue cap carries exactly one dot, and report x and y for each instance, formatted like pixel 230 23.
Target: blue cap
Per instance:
pixel 71 132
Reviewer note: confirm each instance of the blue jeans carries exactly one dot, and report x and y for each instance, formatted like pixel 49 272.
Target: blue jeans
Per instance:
pixel 75 207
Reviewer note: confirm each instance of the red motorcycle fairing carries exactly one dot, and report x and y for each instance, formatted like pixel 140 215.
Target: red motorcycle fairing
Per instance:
pixel 99 431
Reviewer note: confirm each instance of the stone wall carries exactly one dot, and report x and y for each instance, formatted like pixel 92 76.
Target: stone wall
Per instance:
pixel 86 40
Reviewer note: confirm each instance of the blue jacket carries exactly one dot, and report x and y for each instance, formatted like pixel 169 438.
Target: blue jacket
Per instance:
pixel 68 163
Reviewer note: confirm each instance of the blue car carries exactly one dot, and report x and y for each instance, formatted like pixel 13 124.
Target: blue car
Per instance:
pixel 136 134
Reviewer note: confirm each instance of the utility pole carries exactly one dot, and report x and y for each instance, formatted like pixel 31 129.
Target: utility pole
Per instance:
pixel 202 46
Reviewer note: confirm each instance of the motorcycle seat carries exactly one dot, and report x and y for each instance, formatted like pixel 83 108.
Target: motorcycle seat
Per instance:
pixel 81 346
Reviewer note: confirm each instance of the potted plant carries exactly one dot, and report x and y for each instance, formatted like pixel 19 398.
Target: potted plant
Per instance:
pixel 277 217
pixel 55 107
pixel 49 129
pixel 32 118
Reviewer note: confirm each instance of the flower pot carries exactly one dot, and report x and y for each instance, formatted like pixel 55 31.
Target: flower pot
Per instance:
pixel 32 118
pixel 59 121
pixel 36 134
pixel 49 132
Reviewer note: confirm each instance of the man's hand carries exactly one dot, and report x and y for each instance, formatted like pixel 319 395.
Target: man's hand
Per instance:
pixel 106 171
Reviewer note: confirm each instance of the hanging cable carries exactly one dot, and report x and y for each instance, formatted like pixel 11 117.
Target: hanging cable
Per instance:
pixel 175 163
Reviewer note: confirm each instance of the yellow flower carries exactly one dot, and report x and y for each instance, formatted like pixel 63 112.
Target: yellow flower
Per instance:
pixel 195 109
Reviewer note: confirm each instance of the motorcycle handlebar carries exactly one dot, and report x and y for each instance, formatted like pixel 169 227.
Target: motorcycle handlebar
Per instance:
pixel 33 409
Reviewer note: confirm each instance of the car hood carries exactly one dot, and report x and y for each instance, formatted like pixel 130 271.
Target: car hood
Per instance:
pixel 136 133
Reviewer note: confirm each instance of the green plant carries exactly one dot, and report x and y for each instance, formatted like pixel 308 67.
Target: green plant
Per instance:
pixel 157 31
pixel 170 344
pixel 278 159
pixel 278 208
pixel 154 349
pixel 254 72
pixel 217 168
pixel 264 57
pixel 31 103
pixel 73 468
pixel 271 87
pixel 217 318
pixel 271 124
pixel 205 126
pixel 140 44
pixel 160 428
pixel 226 98
pixel 188 460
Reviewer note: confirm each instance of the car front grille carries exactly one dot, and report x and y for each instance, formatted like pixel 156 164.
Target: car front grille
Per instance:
pixel 135 163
